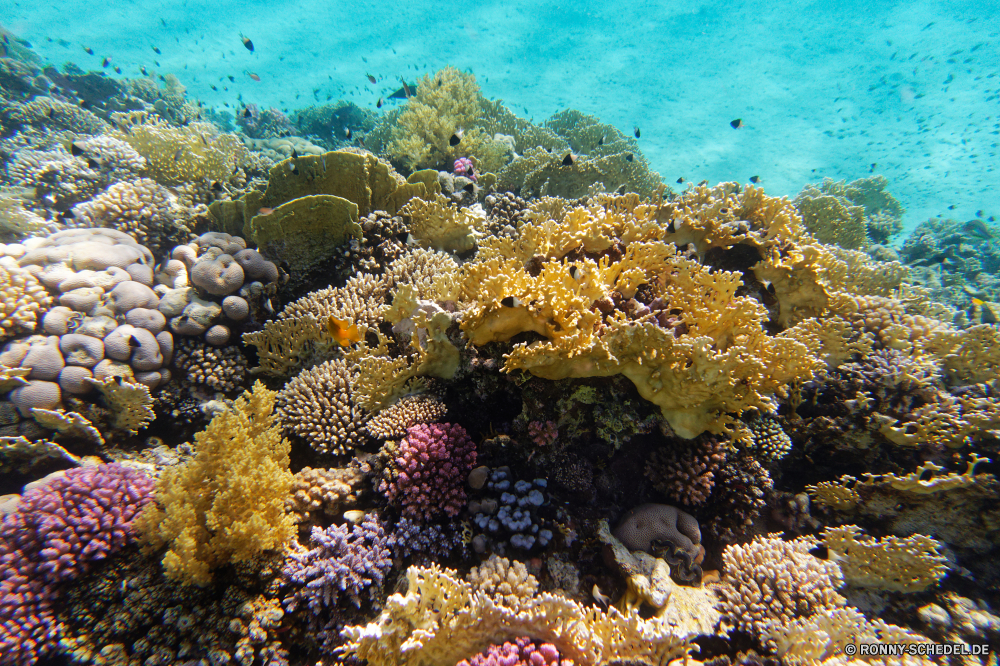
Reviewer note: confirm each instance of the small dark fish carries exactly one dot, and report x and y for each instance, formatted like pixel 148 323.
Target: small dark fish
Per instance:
pixel 754 179
pixel 600 142
pixel 247 43
pixel 347 133
pixel 820 551
pixel 75 150
pixel 402 92
pixel 510 302
pixel 294 169
pixel 143 70
pixel 456 138
pixel 979 213
pixel 133 341
pixel 406 88
pixel 118 70
pixel 246 111
pixel 569 159
pixel 378 104
pixel 217 186
pixel 470 188
pixel 680 180
pixel 295 154
pixel 951 207
pixel 636 132
pixel 214 88
pixel 203 139
pixel 84 104
pixel 89 50
pixel 232 79
pixel 629 157
pixel 371 78
pixel 106 62
pixel 157 51
pixel 575 273
pixel 253 76
pixel 93 164
pixel 736 124
pixel 361 142
pixel 871 169
pixel 177 155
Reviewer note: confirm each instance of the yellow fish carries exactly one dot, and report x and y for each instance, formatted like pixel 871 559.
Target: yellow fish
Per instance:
pixel 344 332
pixel 976 301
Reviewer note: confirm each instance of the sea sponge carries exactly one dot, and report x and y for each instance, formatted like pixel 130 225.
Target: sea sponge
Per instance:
pixel 226 504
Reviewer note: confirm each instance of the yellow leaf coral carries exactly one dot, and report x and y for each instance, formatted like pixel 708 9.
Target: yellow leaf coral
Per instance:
pixel 910 564
pixel 226 504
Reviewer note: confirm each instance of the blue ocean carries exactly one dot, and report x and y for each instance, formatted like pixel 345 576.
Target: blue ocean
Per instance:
pixel 485 334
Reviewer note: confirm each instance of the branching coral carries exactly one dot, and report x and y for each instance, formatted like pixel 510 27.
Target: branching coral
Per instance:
pixel 226 504
pixel 440 620
pixel 24 300
pixel 317 406
pixel 176 155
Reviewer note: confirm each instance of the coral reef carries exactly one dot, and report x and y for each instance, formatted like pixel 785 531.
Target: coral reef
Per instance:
pixel 316 405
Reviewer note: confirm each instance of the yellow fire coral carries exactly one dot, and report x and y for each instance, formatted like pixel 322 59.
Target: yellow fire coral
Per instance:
pixel 910 564
pixel 435 224
pixel 691 346
pixel 442 619
pixel 227 504
pixel 176 155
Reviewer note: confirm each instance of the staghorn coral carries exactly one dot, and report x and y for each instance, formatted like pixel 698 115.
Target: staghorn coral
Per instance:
pixel 910 564
pixel 176 155
pixel 24 300
pixel 344 561
pixel 392 421
pixel 770 582
pixel 227 503
pixel 428 470
pixel 317 405
pixel 412 539
pixel 441 620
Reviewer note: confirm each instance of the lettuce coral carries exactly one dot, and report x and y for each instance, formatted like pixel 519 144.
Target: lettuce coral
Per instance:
pixel 226 504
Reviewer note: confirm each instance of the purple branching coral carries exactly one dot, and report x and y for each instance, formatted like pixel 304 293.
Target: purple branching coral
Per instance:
pixel 429 470
pixel 341 561
pixel 57 531
pixel 412 539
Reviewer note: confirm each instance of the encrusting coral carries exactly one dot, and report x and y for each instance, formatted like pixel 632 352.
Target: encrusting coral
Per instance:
pixel 227 503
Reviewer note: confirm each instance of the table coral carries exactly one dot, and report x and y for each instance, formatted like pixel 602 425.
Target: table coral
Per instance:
pixel 428 469
pixel 227 504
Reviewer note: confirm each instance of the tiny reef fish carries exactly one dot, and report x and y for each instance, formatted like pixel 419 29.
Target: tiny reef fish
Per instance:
pixel 344 333
pixel 371 78
pixel 569 159
pixel 157 51
pixel 754 179
pixel 265 211
pixel 106 62
pixel 253 76
pixel 247 43
pixel 456 138
pixel 636 132
pixel 89 50
pixel 736 124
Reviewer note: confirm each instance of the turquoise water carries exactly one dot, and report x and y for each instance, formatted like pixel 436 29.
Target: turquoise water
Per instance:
pixel 824 89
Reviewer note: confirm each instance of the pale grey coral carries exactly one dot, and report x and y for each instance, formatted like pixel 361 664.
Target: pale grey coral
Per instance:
pixel 59 178
pixel 771 582
pixel 317 406
pixel 392 422
pixel 141 208
pixel 221 369
pixel 56 115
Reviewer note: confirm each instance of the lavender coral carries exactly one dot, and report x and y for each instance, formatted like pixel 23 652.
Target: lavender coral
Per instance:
pixel 58 530
pixel 521 652
pixel 341 561
pixel 429 469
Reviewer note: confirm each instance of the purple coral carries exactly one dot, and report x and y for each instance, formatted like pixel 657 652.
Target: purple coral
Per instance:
pixel 431 466
pixel 522 652
pixel 543 433
pixel 464 167
pixel 57 531
pixel 341 560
